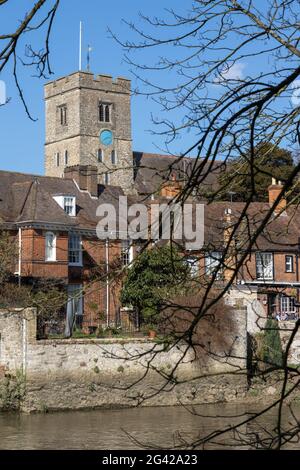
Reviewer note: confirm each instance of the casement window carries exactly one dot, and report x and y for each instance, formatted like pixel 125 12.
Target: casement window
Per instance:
pixel 75 304
pixel 63 115
pixel 212 264
pixel 100 155
pixel 104 112
pixel 50 246
pixel 193 265
pixel 289 264
pixel 70 205
pixel 126 252
pixel 75 249
pixel 57 162
pixel 106 178
pixel 66 157
pixel 114 157
pixel 264 266
pixel 287 304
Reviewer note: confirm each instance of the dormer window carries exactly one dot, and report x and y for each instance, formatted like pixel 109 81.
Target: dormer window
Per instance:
pixel 67 203
pixel 105 112
pixel 70 205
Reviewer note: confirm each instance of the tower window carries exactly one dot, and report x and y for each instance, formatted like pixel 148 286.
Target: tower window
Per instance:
pixel 63 115
pixel 107 113
pixel 113 157
pixel 57 159
pixel 106 178
pixel 104 112
pixel 66 157
pixel 100 155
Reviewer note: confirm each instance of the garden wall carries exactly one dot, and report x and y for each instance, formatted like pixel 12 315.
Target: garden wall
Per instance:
pixel 91 373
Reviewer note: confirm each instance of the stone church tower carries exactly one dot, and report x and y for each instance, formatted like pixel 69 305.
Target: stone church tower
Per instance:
pixel 88 122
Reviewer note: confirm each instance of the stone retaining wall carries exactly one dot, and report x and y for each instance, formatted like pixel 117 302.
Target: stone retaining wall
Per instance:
pixel 77 374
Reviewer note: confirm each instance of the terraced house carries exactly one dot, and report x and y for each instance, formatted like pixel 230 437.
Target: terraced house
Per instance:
pixel 89 161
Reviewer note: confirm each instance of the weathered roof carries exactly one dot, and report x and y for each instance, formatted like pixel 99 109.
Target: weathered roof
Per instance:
pixel 29 198
pixel 152 170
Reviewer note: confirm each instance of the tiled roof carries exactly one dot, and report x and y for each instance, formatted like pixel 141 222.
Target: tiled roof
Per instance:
pixel 151 170
pixel 29 198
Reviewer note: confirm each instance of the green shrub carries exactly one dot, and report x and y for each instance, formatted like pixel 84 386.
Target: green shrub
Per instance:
pixel 271 349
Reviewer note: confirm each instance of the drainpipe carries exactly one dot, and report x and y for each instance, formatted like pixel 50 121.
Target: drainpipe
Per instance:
pixel 24 345
pixel 107 280
pixel 20 257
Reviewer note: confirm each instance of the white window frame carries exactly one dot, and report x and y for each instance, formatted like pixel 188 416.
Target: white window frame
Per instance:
pixel 289 264
pixel 70 205
pixel 75 249
pixel 212 264
pixel 193 264
pixel 264 266
pixel 50 248
pixel 287 304
pixel 126 252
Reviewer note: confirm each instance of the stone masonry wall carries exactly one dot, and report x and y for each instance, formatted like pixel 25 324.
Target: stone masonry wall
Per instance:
pixel 81 93
pixel 77 374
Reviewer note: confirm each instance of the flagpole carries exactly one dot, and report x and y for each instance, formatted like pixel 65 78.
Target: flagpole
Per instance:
pixel 80 47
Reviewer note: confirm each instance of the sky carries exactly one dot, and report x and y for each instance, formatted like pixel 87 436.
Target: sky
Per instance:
pixel 22 140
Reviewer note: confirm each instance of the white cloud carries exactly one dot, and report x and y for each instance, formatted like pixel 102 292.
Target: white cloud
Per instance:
pixel 233 72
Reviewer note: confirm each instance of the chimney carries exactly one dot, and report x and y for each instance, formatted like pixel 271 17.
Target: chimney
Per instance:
pixel 274 191
pixel 172 187
pixel 86 176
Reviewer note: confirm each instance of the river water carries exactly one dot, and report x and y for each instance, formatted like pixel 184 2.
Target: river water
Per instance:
pixel 162 427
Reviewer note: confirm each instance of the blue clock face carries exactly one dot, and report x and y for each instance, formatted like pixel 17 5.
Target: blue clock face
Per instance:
pixel 106 137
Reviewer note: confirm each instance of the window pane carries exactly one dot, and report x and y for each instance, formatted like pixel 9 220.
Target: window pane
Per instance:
pixel 212 263
pixel 75 249
pixel 101 113
pixel 50 245
pixel 107 113
pixel 264 265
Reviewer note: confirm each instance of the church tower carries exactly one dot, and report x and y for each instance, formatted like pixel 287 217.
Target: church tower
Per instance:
pixel 88 122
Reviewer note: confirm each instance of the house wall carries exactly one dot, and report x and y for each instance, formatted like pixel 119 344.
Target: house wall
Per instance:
pixel 75 374
pixel 248 272
pixel 91 275
pixel 33 255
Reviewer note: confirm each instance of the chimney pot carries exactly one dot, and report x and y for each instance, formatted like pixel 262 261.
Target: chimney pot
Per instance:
pixel 274 191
